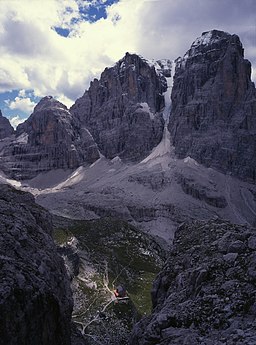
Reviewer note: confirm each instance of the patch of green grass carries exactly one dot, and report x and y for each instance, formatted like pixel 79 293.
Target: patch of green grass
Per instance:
pixel 61 236
pixel 140 292
pixel 126 253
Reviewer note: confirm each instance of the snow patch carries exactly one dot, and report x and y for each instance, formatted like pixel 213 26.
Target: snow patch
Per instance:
pixel 162 149
pixel 167 94
pixel 145 108
pixel 205 39
pixel 161 66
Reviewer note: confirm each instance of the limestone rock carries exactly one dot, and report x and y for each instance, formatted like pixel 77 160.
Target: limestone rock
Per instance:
pixel 122 110
pixel 49 139
pixel 5 127
pixel 214 106
pixel 36 301
pixel 202 296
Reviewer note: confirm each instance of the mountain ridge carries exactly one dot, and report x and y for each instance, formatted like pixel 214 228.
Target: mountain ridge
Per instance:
pixel 127 154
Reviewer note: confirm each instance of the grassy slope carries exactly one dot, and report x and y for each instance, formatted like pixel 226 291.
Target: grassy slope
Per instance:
pixel 112 252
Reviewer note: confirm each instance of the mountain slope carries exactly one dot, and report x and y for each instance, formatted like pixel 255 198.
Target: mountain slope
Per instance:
pixel 205 293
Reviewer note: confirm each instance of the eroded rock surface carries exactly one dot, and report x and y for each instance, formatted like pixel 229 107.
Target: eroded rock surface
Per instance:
pixel 122 109
pixel 214 106
pixel 35 296
pixel 5 127
pixel 49 139
pixel 205 293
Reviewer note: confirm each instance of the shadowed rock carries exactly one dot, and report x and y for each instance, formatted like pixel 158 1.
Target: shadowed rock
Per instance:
pixel 214 106
pixel 49 139
pixel 122 109
pixel 35 296
pixel 205 293
pixel 5 127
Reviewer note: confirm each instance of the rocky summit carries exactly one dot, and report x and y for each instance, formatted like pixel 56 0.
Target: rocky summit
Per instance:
pixel 35 295
pixel 49 139
pixel 214 106
pixel 122 110
pixel 5 127
pixel 205 293
pixel 143 151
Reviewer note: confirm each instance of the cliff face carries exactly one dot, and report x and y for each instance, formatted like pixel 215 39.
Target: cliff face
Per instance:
pixel 214 106
pixel 205 293
pixel 49 139
pixel 121 110
pixel 36 301
pixel 5 127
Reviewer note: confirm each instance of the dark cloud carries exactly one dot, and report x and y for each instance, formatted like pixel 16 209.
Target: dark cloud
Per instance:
pixel 23 38
pixel 171 26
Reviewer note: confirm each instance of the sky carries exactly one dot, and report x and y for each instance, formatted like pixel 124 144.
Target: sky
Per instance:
pixel 56 47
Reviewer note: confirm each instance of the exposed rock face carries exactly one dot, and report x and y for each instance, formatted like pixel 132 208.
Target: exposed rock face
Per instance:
pixel 205 293
pixel 49 139
pixel 122 109
pixel 35 296
pixel 214 106
pixel 5 127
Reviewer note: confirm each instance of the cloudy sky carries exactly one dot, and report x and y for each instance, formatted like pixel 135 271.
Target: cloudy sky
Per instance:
pixel 55 47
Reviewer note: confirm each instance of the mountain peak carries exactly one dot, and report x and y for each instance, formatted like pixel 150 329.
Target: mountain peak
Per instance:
pixel 209 37
pixel 130 60
pixel 213 42
pixel 5 127
pixel 49 102
pixel 214 98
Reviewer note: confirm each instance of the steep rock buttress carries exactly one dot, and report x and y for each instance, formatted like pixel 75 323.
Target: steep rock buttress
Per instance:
pixel 213 116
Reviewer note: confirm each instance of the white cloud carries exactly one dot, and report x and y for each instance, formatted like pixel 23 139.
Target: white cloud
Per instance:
pixel 15 121
pixel 22 93
pixel 34 56
pixel 23 104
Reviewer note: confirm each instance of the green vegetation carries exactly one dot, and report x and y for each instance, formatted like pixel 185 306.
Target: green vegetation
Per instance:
pixel 116 253
pixel 62 236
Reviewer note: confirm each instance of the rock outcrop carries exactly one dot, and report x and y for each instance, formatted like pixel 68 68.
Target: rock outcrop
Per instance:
pixel 5 127
pixel 205 293
pixel 49 139
pixel 35 295
pixel 122 110
pixel 214 106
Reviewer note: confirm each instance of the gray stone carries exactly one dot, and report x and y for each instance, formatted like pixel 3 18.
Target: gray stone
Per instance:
pixel 230 257
pixel 252 242
pixel 236 247
pixel 6 129
pixel 36 301
pixel 122 110
pixel 214 106
pixel 201 292
pixel 49 139
pixel 224 241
